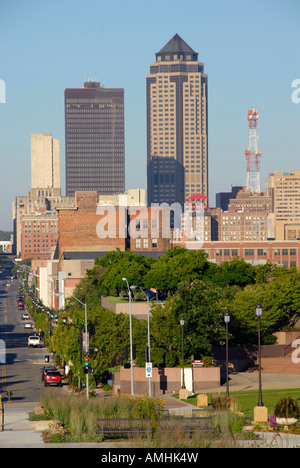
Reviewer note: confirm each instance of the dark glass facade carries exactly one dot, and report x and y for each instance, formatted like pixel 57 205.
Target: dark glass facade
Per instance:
pixel 94 139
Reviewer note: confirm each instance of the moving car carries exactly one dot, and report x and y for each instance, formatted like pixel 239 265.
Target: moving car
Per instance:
pixel 34 341
pixel 25 316
pixel 28 325
pixel 53 378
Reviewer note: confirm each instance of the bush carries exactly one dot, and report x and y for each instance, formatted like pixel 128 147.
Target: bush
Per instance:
pixel 220 402
pixel 287 408
pixel 78 416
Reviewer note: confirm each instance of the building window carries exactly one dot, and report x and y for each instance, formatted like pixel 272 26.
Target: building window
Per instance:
pixel 138 243
pixel 249 252
pixel 154 243
pixel 146 243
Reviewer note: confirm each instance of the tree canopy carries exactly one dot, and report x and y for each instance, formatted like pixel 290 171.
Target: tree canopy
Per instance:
pixel 194 288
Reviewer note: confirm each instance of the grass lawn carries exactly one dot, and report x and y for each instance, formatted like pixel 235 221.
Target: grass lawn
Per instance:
pixel 123 300
pixel 247 400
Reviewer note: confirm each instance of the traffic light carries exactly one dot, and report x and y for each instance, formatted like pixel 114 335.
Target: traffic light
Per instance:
pixel 49 330
pixel 146 354
pixel 86 359
pixel 125 353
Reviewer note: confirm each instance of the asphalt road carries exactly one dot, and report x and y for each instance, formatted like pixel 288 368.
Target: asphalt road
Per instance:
pixel 20 366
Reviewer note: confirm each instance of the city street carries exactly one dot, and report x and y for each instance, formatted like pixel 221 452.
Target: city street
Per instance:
pixel 20 373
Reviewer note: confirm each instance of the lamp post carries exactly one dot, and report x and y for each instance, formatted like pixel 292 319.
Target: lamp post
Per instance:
pixel 86 335
pixel 130 332
pixel 258 310
pixel 182 322
pixel 227 320
pixel 148 326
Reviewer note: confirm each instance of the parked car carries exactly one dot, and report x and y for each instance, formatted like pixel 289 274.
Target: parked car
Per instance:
pixel 53 378
pixel 47 368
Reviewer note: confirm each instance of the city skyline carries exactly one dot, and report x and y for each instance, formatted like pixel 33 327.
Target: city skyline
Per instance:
pixel 249 52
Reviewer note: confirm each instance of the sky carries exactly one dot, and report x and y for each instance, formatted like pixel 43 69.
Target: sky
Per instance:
pixel 250 51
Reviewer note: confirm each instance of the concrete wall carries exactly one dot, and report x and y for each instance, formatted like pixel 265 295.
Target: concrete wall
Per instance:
pixel 164 380
pixel 138 309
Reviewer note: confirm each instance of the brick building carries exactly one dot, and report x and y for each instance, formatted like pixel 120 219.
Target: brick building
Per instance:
pixel 39 235
pixel 284 191
pixel 88 230
pixel 285 253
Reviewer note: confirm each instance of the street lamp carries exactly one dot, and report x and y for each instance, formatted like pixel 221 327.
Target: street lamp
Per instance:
pixel 130 332
pixel 227 320
pixel 182 322
pixel 258 310
pixel 148 322
pixel 86 334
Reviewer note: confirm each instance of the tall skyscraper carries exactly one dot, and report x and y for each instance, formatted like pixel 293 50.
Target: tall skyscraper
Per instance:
pixel 45 161
pixel 95 140
pixel 177 153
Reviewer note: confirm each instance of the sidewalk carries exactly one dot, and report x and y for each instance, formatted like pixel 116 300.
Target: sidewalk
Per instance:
pixel 18 431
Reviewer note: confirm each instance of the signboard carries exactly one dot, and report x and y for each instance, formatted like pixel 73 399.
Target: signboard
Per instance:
pixel 86 342
pixel 148 370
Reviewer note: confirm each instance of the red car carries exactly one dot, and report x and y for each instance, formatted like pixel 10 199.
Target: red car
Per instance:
pixel 53 378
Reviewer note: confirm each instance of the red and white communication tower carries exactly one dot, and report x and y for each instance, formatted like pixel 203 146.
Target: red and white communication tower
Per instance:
pixel 252 155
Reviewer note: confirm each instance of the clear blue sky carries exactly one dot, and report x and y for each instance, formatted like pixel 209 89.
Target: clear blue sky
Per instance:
pixel 251 54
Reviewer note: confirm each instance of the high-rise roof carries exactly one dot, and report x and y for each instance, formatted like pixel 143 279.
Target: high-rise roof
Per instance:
pixel 178 47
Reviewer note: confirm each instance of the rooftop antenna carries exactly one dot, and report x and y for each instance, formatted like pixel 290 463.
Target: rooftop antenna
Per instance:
pixel 252 155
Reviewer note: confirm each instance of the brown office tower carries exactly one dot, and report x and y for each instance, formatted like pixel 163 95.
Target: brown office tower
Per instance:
pixel 176 125
pixel 95 146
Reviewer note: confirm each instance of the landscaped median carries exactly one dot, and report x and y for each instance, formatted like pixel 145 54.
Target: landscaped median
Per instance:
pixel 140 420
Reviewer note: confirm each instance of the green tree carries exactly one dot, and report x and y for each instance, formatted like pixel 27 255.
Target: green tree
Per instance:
pixel 177 265
pixel 233 272
pixel 202 306
pixel 280 300
pixel 108 271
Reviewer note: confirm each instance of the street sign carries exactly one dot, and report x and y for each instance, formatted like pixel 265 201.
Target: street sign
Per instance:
pixel 149 370
pixel 86 342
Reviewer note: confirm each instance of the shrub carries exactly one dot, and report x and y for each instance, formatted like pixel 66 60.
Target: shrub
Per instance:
pixel 220 402
pixel 287 408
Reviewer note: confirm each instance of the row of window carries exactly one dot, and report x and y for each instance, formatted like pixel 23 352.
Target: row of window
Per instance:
pixel 251 252
pixel 138 243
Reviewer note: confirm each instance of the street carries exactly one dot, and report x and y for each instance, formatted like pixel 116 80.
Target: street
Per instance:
pixel 20 366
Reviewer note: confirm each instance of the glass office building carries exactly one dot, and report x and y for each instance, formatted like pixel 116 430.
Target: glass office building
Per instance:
pixel 94 139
